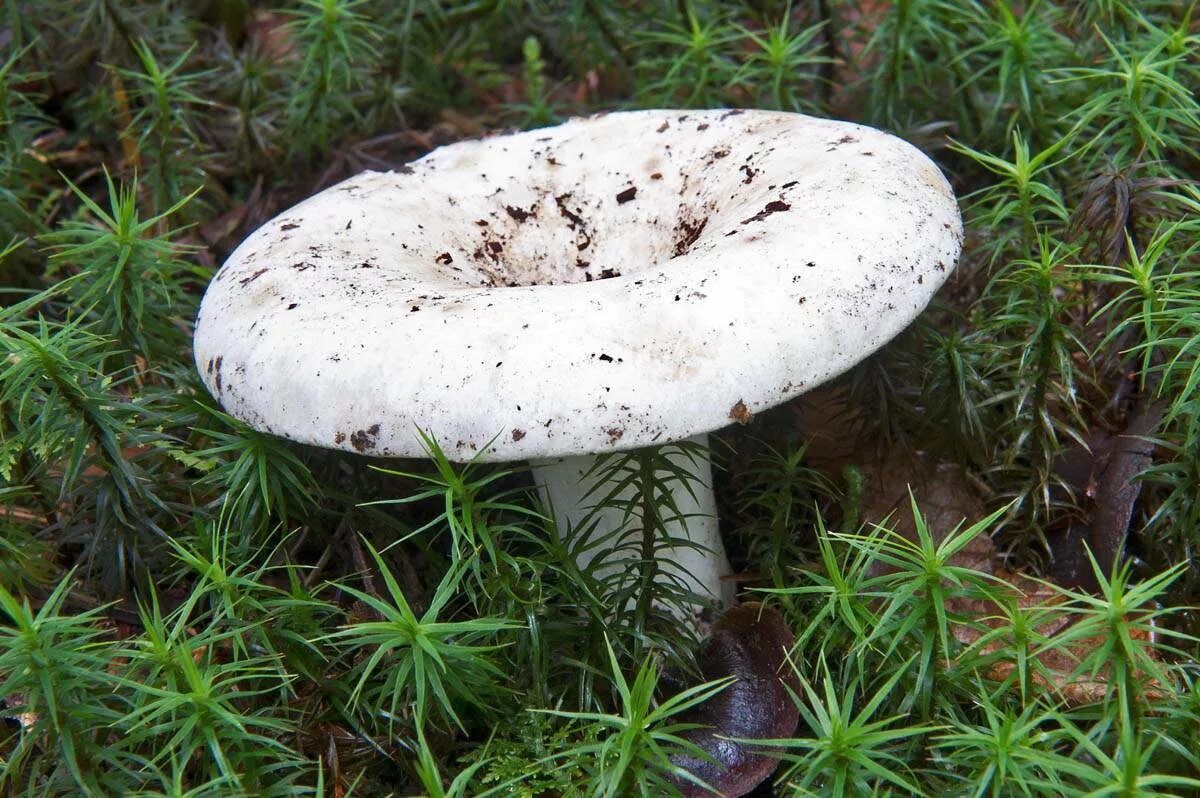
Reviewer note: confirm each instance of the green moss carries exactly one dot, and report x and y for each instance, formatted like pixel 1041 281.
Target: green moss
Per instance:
pixel 188 606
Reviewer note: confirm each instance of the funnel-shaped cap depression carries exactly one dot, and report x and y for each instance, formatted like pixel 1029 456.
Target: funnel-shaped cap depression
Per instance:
pixel 610 283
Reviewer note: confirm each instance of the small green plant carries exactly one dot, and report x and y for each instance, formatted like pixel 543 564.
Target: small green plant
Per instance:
pixel 1011 751
pixel 778 504
pixel 421 662
pixel 163 128
pixel 698 68
pixel 189 705
pixel 643 589
pixel 1008 66
pixel 538 108
pixel 260 478
pixel 1042 411
pixel 849 747
pixel 66 419
pixel 338 41
pixel 1020 193
pixel 628 752
pixel 896 71
pixel 784 64
pixel 53 663
pixel 126 272
pixel 1139 99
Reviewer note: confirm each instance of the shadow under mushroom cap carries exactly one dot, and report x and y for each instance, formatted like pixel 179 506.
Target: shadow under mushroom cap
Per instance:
pixel 616 281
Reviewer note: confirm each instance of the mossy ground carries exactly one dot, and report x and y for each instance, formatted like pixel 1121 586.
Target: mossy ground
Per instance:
pixel 190 607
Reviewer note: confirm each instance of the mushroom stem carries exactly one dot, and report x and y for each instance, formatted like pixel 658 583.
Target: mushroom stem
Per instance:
pixel 572 486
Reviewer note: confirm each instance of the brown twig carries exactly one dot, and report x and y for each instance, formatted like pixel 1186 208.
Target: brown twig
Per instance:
pixel 357 555
pixel 311 578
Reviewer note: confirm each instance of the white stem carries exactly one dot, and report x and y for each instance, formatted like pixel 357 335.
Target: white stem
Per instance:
pixel 700 566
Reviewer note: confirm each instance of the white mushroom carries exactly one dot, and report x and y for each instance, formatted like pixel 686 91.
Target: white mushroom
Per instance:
pixel 615 282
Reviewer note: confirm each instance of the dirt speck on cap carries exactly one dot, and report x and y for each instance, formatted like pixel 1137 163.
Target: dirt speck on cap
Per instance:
pixel 573 219
pixel 626 195
pixel 519 214
pixel 740 413
pixel 253 277
pixel 518 434
pixel 774 206
pixel 365 439
pixel 686 234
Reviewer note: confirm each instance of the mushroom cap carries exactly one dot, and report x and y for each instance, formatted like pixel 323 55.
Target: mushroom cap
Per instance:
pixel 617 281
